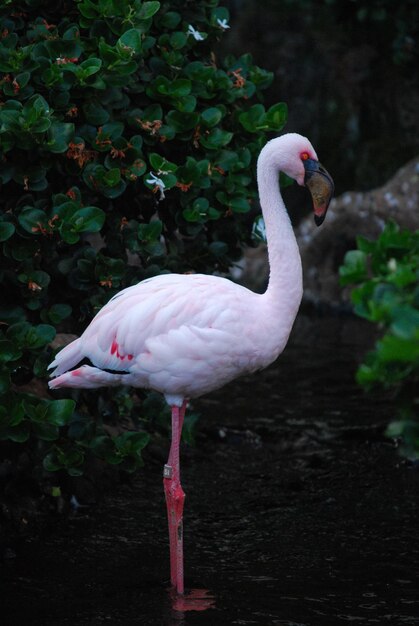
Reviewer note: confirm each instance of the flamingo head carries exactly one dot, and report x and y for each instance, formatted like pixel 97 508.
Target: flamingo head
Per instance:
pixel 303 165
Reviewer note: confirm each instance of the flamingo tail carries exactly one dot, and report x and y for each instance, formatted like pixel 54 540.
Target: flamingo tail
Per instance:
pixel 88 377
pixel 67 358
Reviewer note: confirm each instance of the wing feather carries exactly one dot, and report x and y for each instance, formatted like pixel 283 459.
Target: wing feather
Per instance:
pixel 174 333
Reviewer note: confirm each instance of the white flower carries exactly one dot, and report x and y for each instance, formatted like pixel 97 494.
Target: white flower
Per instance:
pixel 222 24
pixel 195 34
pixel 259 229
pixel 392 264
pixel 157 182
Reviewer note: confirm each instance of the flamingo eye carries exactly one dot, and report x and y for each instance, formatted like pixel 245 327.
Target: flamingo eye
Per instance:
pixel 304 156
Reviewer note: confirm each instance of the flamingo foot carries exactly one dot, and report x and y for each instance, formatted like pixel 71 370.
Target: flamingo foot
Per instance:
pixel 193 600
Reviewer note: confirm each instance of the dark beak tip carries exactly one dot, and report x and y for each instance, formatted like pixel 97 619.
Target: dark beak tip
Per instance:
pixel 319 219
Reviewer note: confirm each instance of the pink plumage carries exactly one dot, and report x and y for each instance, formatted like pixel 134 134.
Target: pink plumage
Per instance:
pixel 186 335
pixel 180 334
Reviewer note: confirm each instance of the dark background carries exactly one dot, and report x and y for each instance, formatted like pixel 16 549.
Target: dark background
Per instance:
pixel 347 70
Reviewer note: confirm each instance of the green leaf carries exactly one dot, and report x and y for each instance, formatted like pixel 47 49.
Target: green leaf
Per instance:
pixel 68 458
pixel 392 348
pixel 148 9
pixel 170 20
pixel 151 231
pixel 189 427
pixel 31 337
pixel 112 177
pixel 178 40
pixel 45 431
pixel 112 131
pixel 41 125
pixel 39 277
pixel 88 219
pixel 59 136
pixel 182 121
pixel 104 448
pixel 4 382
pixel 32 178
pixel 51 463
pixel 160 164
pixel 200 211
pixel 88 9
pixel 180 87
pixel 89 67
pixel 276 116
pixel 9 351
pixel 59 312
pixel 34 108
pixel 95 114
pixel 137 168
pixel 216 138
pixel 6 231
pixel 19 433
pixel 59 412
pixel 354 269
pixel 130 41
pixel 44 335
pixel 201 205
pixel 186 104
pixel 6 171
pixel 253 120
pixel 405 323
pixel 16 413
pixel 237 203
pixel 132 441
pixel 81 428
pixel 218 248
pixel 211 117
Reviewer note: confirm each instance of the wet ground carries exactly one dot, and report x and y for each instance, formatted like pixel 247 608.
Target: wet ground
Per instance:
pixel 298 513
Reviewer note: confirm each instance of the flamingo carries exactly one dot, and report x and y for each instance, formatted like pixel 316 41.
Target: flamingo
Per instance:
pixel 185 335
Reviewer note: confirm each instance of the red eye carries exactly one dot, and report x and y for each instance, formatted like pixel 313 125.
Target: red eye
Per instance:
pixel 305 156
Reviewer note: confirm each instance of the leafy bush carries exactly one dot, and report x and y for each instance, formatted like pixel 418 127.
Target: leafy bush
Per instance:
pixel 387 274
pixel 127 150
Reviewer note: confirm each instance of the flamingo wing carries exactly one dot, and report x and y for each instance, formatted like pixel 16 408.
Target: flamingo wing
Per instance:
pixel 178 334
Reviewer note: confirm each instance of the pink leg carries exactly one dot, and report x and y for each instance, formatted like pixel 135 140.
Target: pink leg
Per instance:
pixel 175 498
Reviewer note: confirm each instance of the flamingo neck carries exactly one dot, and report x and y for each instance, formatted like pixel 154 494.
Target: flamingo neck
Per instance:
pixel 285 277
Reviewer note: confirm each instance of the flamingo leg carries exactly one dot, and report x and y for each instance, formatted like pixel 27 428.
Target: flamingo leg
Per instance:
pixel 175 498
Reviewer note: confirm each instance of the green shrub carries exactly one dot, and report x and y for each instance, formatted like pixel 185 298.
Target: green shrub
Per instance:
pixel 387 274
pixel 127 150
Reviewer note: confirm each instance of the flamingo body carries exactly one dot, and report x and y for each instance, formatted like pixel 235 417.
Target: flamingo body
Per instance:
pixel 181 334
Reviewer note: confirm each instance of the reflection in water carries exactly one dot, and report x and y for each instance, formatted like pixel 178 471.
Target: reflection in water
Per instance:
pixel 299 513
pixel 192 600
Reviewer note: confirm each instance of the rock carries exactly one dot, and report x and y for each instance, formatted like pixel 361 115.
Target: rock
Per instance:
pixel 352 214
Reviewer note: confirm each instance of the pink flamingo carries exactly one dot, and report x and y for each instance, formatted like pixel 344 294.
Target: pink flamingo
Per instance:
pixel 187 334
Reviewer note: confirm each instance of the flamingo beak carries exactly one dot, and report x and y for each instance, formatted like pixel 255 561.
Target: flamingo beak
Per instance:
pixel 320 184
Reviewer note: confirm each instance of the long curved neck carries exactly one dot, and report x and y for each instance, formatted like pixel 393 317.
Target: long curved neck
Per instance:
pixel 285 278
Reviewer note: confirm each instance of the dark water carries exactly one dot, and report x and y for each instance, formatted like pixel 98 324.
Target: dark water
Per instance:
pixel 298 513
